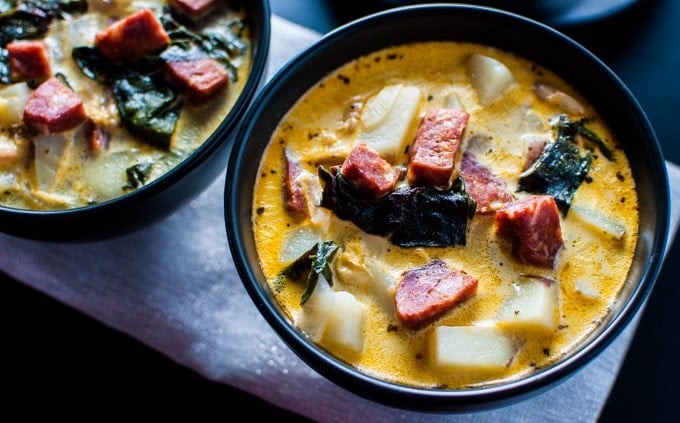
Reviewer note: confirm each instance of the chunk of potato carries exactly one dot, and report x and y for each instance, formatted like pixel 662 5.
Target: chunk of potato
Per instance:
pixel 50 153
pixel 107 175
pixel 473 348
pixel 489 78
pixel 607 225
pixel 13 99
pixel 316 311
pixel 9 152
pixel 345 325
pixel 378 107
pixel 7 181
pixel 390 125
pixel 533 306
pixel 297 242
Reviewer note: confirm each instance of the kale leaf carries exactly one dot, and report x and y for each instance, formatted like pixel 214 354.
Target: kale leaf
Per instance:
pixel 31 19
pixel 148 107
pixel 316 261
pixel 137 175
pixel 560 169
pixel 97 67
pixel 408 217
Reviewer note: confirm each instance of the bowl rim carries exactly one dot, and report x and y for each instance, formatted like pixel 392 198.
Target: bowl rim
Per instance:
pixel 260 26
pixel 376 389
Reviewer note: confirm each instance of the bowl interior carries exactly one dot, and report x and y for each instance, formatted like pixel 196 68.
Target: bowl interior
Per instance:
pixel 460 23
pixel 159 198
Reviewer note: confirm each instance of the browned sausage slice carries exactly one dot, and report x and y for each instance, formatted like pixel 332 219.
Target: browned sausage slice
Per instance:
pixel 201 79
pixel 427 292
pixel 368 172
pixel 132 37
pixel 193 9
pixel 489 191
pixel 435 148
pixel 532 225
pixel 97 137
pixel 292 190
pixel 53 107
pixel 535 148
pixel 28 60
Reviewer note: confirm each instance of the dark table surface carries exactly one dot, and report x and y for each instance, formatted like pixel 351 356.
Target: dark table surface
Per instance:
pixel 57 361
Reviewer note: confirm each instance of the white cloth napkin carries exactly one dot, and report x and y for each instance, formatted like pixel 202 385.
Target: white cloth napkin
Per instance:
pixel 173 287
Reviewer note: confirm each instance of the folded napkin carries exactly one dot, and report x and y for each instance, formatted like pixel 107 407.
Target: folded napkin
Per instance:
pixel 185 300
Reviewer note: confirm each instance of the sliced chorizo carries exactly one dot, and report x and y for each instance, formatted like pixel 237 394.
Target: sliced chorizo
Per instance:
pixel 425 293
pixel 489 191
pixel 435 148
pixel 532 225
pixel 97 137
pixel 535 147
pixel 53 107
pixel 292 189
pixel 28 60
pixel 132 37
pixel 200 79
pixel 193 9
pixel 368 172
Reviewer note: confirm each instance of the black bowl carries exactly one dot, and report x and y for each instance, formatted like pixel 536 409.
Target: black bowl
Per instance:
pixel 158 199
pixel 506 31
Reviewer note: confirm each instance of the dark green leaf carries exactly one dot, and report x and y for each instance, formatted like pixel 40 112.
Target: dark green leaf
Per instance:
pixel 592 136
pixel 4 67
pixel 137 175
pixel 55 8
pixel 408 217
pixel 20 24
pixel 321 265
pixel 316 261
pixel 95 66
pixel 148 107
pixel 32 18
pixel 560 169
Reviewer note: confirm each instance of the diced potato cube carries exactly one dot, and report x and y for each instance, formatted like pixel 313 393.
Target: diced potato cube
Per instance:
pixel 377 108
pixel 49 158
pixel 388 135
pixel 9 152
pixel 345 326
pixel 107 175
pixel 7 181
pixel 474 348
pixel 598 220
pixel 13 99
pixel 383 284
pixel 452 101
pixel 533 306
pixel 587 288
pixel 297 242
pixel 316 311
pixel 489 78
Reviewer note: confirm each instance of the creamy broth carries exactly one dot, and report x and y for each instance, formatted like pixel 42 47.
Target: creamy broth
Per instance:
pixel 70 174
pixel 324 125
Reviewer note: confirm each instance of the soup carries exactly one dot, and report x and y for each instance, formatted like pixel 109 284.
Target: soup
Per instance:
pixel 99 98
pixel 445 215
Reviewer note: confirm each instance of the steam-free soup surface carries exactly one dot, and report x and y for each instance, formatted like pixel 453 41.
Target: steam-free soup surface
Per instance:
pixel 352 312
